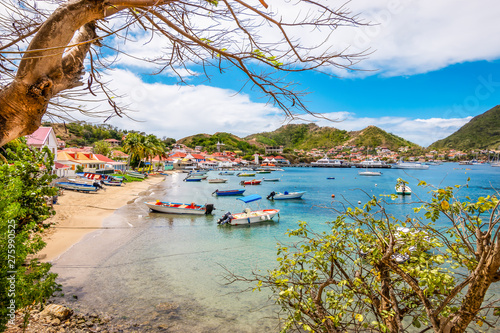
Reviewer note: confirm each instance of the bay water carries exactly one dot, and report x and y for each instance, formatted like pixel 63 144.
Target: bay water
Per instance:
pixel 170 272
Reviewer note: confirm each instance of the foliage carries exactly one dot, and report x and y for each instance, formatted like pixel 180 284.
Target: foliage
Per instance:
pixel 103 148
pixel 209 143
pixel 373 136
pixel 141 147
pixel 88 134
pixel 369 273
pixel 24 187
pixel 481 132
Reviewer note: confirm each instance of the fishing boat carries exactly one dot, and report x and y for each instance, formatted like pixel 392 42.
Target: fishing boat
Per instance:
pixel 250 182
pixel 370 173
pixel 179 208
pixel 226 173
pixel 76 187
pixel 271 179
pixel 192 179
pixel 330 177
pixel 228 192
pixel 135 174
pixel 112 182
pixel 248 216
pixel 285 195
pixel 403 189
pixel 245 174
pixel 217 180
pixel 263 171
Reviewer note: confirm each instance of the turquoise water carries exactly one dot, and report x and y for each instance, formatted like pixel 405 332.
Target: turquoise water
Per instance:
pixel 159 269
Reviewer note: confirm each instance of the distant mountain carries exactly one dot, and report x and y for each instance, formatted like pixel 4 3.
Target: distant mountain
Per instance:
pixel 481 132
pixel 209 142
pixel 308 136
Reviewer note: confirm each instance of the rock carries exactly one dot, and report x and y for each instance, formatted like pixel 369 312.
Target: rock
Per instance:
pixel 56 311
pixel 165 306
pixel 56 322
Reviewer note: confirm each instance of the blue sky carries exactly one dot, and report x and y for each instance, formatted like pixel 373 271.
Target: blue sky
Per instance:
pixel 434 66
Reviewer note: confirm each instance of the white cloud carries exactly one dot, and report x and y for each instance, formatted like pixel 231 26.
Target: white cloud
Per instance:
pixel 180 111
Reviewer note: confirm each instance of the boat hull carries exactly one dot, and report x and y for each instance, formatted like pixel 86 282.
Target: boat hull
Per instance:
pixel 229 192
pixel 403 191
pixel 293 195
pixel 255 216
pixel 176 208
pixel 217 181
pixel 370 173
pixel 77 187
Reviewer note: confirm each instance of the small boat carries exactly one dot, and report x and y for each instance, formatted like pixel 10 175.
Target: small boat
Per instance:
pixel 201 177
pixel 77 187
pixel 135 174
pixel 248 216
pixel 330 177
pixel 263 171
pixel 285 195
pixel 271 179
pixel 217 180
pixel 228 192
pixel 192 179
pixel 226 173
pixel 410 165
pixel 245 174
pixel 112 182
pixel 370 173
pixel 403 189
pixel 251 182
pixel 180 208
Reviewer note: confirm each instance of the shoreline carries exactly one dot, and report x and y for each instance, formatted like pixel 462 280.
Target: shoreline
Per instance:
pixel 78 214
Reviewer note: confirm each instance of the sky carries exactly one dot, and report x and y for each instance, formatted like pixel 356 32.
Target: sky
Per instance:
pixel 433 66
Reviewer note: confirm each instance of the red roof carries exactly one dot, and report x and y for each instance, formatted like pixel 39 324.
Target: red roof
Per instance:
pixel 178 155
pixel 39 136
pixel 198 156
pixel 60 165
pixel 118 153
pixel 103 158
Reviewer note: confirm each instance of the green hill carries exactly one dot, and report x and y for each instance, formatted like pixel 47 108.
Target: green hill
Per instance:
pixel 209 142
pixel 308 136
pixel 373 136
pixel 301 136
pixel 482 132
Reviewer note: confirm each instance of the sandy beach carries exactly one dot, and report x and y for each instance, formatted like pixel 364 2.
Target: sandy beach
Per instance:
pixel 78 214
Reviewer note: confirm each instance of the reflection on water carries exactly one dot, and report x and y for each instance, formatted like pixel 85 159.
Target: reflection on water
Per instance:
pixel 163 269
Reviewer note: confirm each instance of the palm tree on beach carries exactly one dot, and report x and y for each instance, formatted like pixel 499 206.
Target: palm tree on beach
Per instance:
pixel 140 147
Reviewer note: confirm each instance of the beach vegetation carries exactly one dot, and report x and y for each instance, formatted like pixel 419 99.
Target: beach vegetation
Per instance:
pixel 25 192
pixel 142 148
pixel 372 271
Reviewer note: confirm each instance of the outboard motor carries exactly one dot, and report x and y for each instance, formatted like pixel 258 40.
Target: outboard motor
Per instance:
pixel 226 218
pixel 97 185
pixel 209 208
pixel 271 195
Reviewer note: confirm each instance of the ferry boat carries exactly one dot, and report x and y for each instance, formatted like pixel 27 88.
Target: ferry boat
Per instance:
pixel 325 162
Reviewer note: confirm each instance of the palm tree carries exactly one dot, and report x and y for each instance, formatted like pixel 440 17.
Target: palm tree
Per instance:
pixel 133 145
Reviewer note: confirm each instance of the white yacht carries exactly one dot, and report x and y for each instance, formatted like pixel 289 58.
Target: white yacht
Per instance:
pixel 410 165
pixel 371 163
pixel 329 163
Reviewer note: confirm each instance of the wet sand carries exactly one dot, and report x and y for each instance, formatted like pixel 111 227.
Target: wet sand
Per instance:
pixel 78 214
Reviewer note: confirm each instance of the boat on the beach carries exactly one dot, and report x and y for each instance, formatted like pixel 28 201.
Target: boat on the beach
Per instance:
pixel 250 182
pixel 77 187
pixel 248 215
pixel 217 180
pixel 135 174
pixel 370 173
pixel 228 192
pixel 403 189
pixel 180 208
pixel 285 195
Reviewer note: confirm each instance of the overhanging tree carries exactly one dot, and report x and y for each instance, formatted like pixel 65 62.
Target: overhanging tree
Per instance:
pixel 372 271
pixel 41 77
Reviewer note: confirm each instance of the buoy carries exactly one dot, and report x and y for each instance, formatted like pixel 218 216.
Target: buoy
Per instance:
pixel 359 202
pixel 333 195
pixel 375 184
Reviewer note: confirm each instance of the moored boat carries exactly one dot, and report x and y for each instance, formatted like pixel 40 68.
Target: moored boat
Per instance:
pixel 250 182
pixel 135 174
pixel 248 216
pixel 403 189
pixel 245 174
pixel 217 180
pixel 370 173
pixel 285 195
pixel 271 179
pixel 228 192
pixel 179 208
pixel 410 165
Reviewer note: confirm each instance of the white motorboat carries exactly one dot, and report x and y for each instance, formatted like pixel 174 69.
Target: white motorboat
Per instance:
pixel 372 163
pixel 179 208
pixel 216 180
pixel 325 162
pixel 370 173
pixel 248 216
pixel 410 165
pixel 403 189
pixel 285 195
